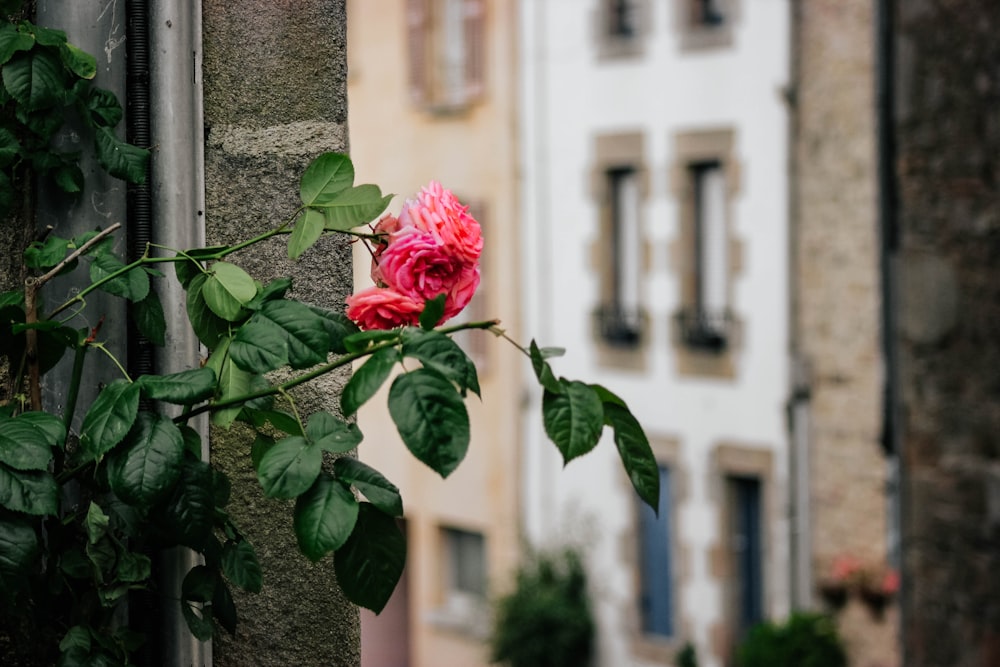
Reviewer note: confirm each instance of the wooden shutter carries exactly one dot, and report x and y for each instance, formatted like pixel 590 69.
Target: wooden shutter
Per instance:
pixel 418 43
pixel 475 48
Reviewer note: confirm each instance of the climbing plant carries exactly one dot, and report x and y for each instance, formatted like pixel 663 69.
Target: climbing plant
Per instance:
pixel 82 507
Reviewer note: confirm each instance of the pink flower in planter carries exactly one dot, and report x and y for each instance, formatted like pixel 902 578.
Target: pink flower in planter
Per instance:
pixel 845 568
pixel 432 248
pixel 890 582
pixel 383 308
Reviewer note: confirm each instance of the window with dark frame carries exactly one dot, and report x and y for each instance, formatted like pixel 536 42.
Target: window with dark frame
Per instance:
pixel 746 602
pixel 708 13
pixel 705 320
pixel 621 19
pixel 446 52
pixel 656 594
pixel 619 317
pixel 466 558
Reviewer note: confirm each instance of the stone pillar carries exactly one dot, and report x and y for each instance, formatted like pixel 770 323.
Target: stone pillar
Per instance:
pixel 275 76
pixel 947 135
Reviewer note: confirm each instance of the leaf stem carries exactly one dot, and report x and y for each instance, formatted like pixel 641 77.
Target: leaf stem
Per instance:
pixel 114 359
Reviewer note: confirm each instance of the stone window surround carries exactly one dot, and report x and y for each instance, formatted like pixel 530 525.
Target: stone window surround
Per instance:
pixel 690 148
pixel 611 47
pixel 731 459
pixel 614 150
pixel 702 38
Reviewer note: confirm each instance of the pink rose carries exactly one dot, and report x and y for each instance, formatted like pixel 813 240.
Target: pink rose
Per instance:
pixel 383 308
pixel 417 265
pixel 462 291
pixel 438 211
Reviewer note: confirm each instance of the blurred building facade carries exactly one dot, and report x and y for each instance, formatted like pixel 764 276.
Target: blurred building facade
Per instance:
pixel 432 95
pixel 656 251
pixel 685 196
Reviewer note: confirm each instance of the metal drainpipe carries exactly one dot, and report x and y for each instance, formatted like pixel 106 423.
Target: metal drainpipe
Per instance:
pixel 165 113
pixel 178 205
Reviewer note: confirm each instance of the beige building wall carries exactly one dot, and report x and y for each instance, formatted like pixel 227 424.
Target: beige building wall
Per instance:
pixel 401 141
pixel 836 316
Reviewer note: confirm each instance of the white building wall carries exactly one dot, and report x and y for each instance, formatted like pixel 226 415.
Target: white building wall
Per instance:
pixel 570 96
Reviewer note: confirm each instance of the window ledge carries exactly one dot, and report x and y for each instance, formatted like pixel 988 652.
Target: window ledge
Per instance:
pixel 463 613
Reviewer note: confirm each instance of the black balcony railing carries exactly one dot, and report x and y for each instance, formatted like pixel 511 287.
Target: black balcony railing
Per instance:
pixel 705 330
pixel 618 326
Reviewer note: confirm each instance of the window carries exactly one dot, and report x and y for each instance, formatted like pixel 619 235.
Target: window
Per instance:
pixel 705 253
pixel 446 52
pixel 621 25
pixel 466 564
pixel 706 24
pixel 746 590
pixel 620 252
pixel 707 13
pixel 704 320
pixel 656 608
pixel 619 317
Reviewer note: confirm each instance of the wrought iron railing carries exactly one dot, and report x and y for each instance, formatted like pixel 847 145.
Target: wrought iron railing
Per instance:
pixel 705 330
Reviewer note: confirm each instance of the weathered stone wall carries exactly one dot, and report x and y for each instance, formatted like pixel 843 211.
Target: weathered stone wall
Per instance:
pixel 275 97
pixel 948 152
pixel 835 292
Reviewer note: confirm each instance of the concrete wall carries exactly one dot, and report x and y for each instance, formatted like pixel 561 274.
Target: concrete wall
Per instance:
pixel 275 97
pixel 836 302
pixel 947 133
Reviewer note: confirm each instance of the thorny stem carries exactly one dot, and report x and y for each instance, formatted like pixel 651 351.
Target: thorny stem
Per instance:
pixel 320 371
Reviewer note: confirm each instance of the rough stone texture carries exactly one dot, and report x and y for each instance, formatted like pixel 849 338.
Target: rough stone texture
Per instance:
pixel 275 96
pixel 948 143
pixel 836 299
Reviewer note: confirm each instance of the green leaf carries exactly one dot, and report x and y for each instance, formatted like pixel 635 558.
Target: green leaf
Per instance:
pixel 353 207
pixel 209 327
pixel 279 419
pixel 35 79
pixel 132 285
pixel 338 327
pixel 331 434
pixel 29 491
pixel 190 264
pixel 223 607
pixel 259 345
pixel 240 565
pixel 188 516
pixel 96 523
pixel 274 289
pixel 635 452
pixel 6 194
pixel 149 319
pixel 49 426
pixel 370 563
pixel 78 61
pixel 12 41
pixel 24 446
pixel 382 493
pixel 133 568
pixel 120 159
pixel 324 517
pixel 45 254
pixel 543 371
pixel 9 147
pixel 431 419
pixel 289 468
pixel 228 289
pixel 440 353
pixel 325 176
pixel 367 379
pixel 233 383
pixel 307 231
pixel 260 446
pixel 77 637
pixel 183 388
pixel 199 620
pixel 307 340
pixel 48 36
pixel 104 108
pixel 433 312
pixel 109 418
pixel 573 419
pixel 199 584
pixel 68 178
pixel 19 548
pixel 145 469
